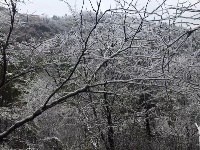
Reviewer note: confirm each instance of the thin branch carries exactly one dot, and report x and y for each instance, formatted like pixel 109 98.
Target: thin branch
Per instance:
pixel 39 111
pixel 5 46
pixel 79 59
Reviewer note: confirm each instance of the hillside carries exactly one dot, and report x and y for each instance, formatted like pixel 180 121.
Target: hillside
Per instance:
pixel 98 81
pixel 29 26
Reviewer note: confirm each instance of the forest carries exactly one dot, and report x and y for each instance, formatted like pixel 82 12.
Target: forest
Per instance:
pixel 126 78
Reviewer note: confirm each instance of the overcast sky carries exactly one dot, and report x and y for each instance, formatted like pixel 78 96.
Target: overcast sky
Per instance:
pixel 60 8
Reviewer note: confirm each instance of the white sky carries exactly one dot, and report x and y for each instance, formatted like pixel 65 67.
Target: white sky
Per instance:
pixel 60 8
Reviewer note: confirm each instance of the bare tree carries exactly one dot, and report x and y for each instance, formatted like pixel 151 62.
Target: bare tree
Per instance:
pixel 120 65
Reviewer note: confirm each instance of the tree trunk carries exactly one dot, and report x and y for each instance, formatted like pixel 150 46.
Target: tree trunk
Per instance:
pixel 110 131
pixel 147 124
